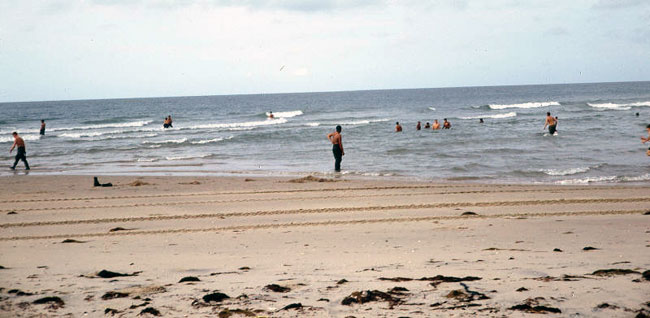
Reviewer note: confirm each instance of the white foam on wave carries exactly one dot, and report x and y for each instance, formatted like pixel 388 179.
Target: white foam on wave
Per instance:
pixel 138 123
pixel 25 137
pixel 240 126
pixel 524 105
pixel 496 116
pixel 587 180
pixel 432 108
pixel 565 172
pixel 613 106
pixel 147 159
pixel 364 121
pixel 207 141
pixel 168 141
pixel 312 124
pixel 288 114
pixel 185 157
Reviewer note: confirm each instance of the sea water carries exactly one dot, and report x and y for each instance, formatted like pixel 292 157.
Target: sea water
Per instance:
pixel 598 138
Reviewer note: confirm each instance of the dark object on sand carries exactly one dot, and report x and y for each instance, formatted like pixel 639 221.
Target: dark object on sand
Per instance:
pixel 2 267
pixel 12 212
pixel 557 250
pixel 469 213
pixel 292 306
pixel 277 288
pixel 398 290
pixel 396 279
pixel 342 281
pixel 115 229
pixel 244 268
pixel 216 297
pixel 362 297
pixel 56 301
pixel 227 313
pixel 111 311
pixel 324 299
pixel 646 276
pixel 150 310
pixel 19 292
pixel 436 280
pixel 535 309
pixel 113 295
pixel 189 279
pixel 606 306
pixel 522 289
pixel 72 241
pixel 97 184
pixel 646 213
pixel 589 248
pixel 108 274
pixel 613 271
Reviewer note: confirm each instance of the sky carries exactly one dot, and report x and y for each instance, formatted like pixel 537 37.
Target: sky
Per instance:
pixel 94 49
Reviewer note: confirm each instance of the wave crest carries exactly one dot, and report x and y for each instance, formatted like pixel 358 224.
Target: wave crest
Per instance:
pixel 524 105
pixel 288 114
pixel 496 116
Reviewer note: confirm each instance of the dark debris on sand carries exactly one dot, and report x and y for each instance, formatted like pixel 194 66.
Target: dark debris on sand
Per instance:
pixel 111 311
pixel 342 281
pixel 469 213
pixel 189 279
pixel 292 306
pixel 72 241
pixel 226 313
pixel 531 305
pixel 646 275
pixel 310 179
pixel 613 272
pixel 435 280
pixel 277 288
pixel 149 310
pixel 113 295
pixel 366 296
pixel 557 250
pixel 19 292
pixel 109 274
pixel 589 248
pixel 563 278
pixel 12 212
pixel 117 229
pixel 53 301
pixel 215 297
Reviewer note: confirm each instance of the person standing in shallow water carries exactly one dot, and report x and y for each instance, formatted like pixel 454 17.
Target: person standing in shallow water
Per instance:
pixel 22 153
pixel 418 126
pixel 337 147
pixel 551 122
pixel 42 132
pixel 644 140
pixel 398 127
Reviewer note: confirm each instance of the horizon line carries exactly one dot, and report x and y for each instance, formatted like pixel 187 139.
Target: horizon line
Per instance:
pixel 309 92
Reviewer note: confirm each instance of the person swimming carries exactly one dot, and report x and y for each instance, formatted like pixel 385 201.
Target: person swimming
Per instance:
pixel 427 126
pixel 418 126
pixel 551 122
pixel 271 115
pixel 480 121
pixel 446 124
pixel 398 127
pixel 436 125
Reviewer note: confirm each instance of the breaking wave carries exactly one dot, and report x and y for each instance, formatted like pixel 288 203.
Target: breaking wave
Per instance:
pixel 524 105
pixel 496 116
pixel 612 106
pixel 288 114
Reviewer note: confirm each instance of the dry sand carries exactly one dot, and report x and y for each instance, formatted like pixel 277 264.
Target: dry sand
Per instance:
pixel 268 243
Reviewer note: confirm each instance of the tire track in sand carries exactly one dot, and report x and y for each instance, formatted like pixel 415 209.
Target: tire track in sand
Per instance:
pixel 323 223
pixel 326 210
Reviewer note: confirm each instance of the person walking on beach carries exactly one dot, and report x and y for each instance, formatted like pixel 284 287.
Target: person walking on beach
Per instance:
pixel 337 147
pixel 22 154
pixel 446 124
pixel 551 122
pixel 644 140
pixel 418 126
pixel 42 132
pixel 398 127
pixel 436 124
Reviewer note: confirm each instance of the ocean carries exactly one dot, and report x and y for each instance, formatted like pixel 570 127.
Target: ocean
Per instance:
pixel 598 138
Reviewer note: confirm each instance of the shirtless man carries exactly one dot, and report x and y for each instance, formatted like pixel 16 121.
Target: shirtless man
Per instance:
pixel 644 140
pixel 42 127
pixel 22 154
pixel 337 147
pixel 436 125
pixel 427 126
pixel 271 115
pixel 446 124
pixel 551 122
pixel 398 127
pixel 418 126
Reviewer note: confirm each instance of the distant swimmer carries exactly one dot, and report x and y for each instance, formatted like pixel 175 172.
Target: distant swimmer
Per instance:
pixel 644 140
pixel 436 125
pixel 22 153
pixel 398 127
pixel 427 126
pixel 637 114
pixel 551 122
pixel 480 121
pixel 42 127
pixel 337 147
pixel 557 121
pixel 446 124
pixel 168 122
pixel 271 115
pixel 418 126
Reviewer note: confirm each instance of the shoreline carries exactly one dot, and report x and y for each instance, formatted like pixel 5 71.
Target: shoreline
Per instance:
pixel 421 248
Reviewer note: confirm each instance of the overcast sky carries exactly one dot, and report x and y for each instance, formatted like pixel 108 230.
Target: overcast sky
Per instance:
pixel 54 50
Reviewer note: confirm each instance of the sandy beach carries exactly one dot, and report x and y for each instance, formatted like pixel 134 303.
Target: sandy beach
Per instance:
pixel 286 247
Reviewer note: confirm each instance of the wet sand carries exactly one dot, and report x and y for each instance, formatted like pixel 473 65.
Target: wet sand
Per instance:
pixel 362 248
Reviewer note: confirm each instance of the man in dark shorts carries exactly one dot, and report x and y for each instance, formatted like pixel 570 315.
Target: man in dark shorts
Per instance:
pixel 337 147
pixel 42 127
pixel 22 154
pixel 418 126
pixel 446 124
pixel 551 122
pixel 398 127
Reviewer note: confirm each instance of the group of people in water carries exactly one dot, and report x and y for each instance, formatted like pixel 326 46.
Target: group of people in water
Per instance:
pixel 167 123
pixel 436 125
